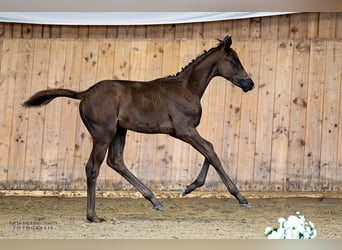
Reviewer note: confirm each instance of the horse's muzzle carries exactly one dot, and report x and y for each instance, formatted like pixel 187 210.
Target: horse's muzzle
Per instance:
pixel 246 84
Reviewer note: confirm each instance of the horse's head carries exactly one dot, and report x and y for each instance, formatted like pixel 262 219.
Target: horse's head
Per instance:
pixel 230 67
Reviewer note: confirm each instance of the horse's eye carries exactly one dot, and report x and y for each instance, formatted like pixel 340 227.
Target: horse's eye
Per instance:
pixel 234 63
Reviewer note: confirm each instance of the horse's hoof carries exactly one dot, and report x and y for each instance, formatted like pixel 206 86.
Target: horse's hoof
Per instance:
pixel 245 205
pixel 185 192
pixel 159 207
pixel 95 219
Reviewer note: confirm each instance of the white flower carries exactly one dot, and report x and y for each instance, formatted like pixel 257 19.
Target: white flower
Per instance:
pixel 294 227
pixel 281 231
pixel 291 234
pixel 294 220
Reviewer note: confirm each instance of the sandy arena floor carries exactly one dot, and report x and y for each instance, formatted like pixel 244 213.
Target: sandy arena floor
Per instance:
pixel 184 218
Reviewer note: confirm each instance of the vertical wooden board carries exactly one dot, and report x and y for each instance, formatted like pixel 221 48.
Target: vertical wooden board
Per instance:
pixel 213 30
pixel 197 30
pixel 69 31
pixel 249 105
pixel 227 27
pixel 97 31
pixel 327 24
pixel 3 168
pixel 171 57
pixel 112 32
pixel 105 66
pixel 138 60
pixel 35 130
pixel 37 31
pixel 27 31
pixel 69 114
pixel 83 32
pixel 2 30
pixel 183 30
pixel 121 68
pixel 154 59
pixel 55 31
pixel 266 89
pixel 164 147
pixel 148 147
pixel 281 115
pixel 169 31
pixel 46 31
pixel 339 165
pixel 180 161
pixel 8 33
pixel 195 158
pixel 51 136
pixel 84 141
pixel 23 78
pixel 1 42
pixel 313 136
pixel 17 27
pixel 299 95
pixel 140 32
pixel 255 27
pixel 134 140
pixel 339 25
pixel 269 26
pixel 153 31
pixel 284 29
pixel 298 26
pixel 331 113
pixel 312 23
pixel 7 86
pixel 125 32
pixel 241 28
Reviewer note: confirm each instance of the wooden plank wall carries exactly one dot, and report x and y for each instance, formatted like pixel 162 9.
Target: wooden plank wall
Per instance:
pixel 299 25
pixel 283 136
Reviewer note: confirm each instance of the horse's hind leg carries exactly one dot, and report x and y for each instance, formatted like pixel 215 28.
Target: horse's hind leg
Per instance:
pixel 116 162
pixel 92 171
pixel 199 180
pixel 102 131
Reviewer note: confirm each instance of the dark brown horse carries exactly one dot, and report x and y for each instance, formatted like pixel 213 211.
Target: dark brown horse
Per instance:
pixel 169 105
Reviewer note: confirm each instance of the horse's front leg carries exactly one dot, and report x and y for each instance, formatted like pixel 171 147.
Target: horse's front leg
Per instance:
pixel 200 180
pixel 191 136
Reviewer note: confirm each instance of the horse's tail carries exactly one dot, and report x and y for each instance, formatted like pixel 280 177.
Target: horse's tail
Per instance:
pixel 45 96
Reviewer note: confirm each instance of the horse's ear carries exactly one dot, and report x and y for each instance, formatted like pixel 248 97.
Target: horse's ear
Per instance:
pixel 227 43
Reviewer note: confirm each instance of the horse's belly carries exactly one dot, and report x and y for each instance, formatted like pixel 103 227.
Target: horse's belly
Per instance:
pixel 149 124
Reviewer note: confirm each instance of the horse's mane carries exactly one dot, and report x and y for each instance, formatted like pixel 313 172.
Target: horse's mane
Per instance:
pixel 205 53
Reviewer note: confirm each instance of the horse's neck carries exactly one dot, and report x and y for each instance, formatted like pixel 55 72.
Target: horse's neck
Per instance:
pixel 197 76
